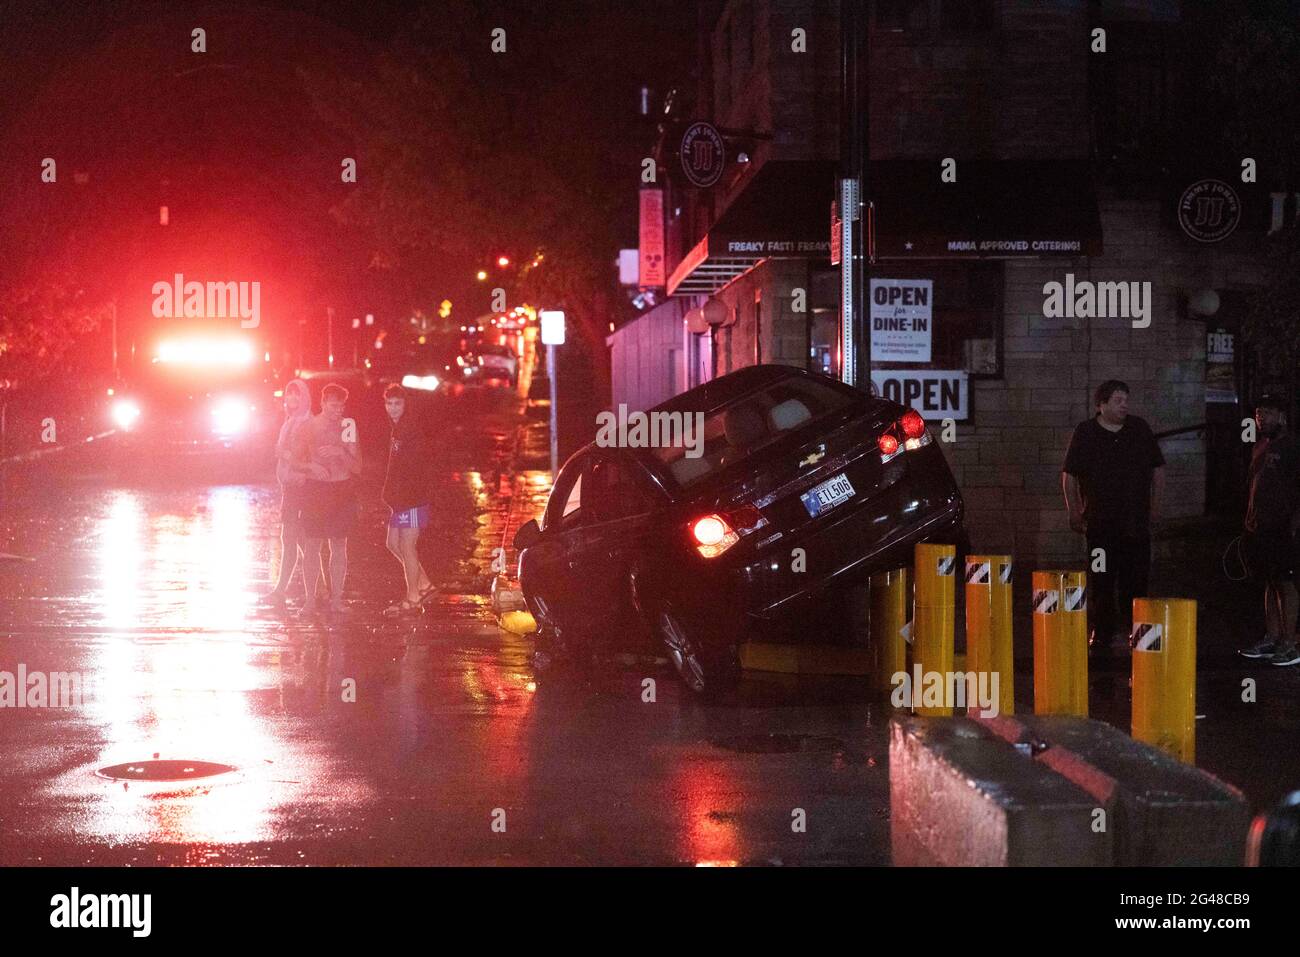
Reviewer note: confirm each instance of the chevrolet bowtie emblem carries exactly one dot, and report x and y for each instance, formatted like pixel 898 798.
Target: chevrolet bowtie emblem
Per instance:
pixel 813 457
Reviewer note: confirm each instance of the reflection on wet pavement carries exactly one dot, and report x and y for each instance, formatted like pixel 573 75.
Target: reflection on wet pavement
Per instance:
pixel 366 740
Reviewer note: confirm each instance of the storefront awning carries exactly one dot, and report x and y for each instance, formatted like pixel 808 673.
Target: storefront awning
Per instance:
pixel 997 209
pixel 783 213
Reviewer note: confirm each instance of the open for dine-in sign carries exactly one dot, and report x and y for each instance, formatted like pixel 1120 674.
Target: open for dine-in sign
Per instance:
pixel 900 319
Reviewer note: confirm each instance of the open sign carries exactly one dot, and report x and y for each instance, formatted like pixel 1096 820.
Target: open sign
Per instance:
pixel 935 393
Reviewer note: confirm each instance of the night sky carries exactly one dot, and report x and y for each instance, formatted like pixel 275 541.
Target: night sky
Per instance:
pixel 463 154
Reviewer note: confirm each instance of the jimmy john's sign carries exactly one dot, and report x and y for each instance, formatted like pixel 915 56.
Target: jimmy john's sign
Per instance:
pixel 935 393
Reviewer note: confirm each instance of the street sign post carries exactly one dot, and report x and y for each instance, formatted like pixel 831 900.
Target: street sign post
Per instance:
pixel 552 321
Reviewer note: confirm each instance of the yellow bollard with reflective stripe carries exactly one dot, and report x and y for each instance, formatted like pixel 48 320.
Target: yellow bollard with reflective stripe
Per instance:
pixel 1060 643
pixel 1164 675
pixel 936 593
pixel 889 604
pixel 988 624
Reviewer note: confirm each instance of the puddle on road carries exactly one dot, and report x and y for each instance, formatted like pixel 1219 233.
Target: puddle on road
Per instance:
pixel 168 771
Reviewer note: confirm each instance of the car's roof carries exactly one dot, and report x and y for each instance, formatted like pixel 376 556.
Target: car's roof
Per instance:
pixel 704 398
pixel 727 388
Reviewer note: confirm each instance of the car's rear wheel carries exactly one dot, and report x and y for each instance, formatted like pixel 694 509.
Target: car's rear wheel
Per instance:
pixel 707 671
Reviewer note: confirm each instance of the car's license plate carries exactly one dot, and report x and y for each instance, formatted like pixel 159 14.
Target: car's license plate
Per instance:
pixel 824 497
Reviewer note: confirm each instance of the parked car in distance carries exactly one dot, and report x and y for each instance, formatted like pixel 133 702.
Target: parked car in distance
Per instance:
pixel 699 547
pixel 493 362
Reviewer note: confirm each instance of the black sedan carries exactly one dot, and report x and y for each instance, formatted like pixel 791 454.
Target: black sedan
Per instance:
pixel 798 484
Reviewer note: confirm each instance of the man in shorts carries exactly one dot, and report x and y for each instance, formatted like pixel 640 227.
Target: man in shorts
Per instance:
pixel 1268 544
pixel 328 452
pixel 406 493
pixel 297 411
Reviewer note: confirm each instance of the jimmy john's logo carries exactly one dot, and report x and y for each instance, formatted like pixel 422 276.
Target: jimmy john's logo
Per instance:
pixel 1209 211
pixel 703 155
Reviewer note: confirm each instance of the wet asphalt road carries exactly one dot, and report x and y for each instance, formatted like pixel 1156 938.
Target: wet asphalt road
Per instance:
pixel 450 753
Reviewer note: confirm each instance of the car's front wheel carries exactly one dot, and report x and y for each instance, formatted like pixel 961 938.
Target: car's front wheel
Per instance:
pixel 706 668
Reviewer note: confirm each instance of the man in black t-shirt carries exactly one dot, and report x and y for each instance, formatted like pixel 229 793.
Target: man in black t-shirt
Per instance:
pixel 1113 478
pixel 1268 544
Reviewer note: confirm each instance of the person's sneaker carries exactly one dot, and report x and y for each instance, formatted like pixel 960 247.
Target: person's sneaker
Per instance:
pixel 1264 649
pixel 1286 655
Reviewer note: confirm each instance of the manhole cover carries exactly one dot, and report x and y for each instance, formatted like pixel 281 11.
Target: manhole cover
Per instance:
pixel 164 770
pixel 778 743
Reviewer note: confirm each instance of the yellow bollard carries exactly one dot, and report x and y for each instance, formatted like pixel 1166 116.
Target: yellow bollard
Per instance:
pixel 888 616
pixel 1164 675
pixel 1060 643
pixel 988 624
pixel 932 648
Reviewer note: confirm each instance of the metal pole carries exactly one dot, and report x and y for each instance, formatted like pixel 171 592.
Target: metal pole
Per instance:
pixel 555 446
pixel 855 335
pixel 113 306
pixel 329 336
pixel 848 286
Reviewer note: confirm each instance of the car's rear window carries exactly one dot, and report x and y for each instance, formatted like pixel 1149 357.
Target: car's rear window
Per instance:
pixel 738 429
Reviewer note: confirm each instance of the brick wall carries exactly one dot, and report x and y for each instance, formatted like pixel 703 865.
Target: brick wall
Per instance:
pixel 1016 92
pixel 1008 459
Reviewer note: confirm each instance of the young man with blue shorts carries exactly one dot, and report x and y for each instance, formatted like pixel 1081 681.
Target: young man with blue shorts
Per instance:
pixel 406 493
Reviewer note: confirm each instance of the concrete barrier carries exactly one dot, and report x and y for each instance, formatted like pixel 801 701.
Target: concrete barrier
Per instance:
pixel 960 795
pixel 1161 811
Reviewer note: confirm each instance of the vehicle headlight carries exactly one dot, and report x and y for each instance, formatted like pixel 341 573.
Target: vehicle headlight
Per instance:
pixel 425 383
pixel 124 413
pixel 230 417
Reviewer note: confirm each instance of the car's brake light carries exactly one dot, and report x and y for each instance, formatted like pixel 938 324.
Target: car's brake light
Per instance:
pixel 713 535
pixel 907 434
pixel 912 423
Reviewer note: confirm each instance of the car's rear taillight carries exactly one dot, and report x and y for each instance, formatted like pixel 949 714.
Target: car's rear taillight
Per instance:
pixel 907 434
pixel 713 535
pixel 912 424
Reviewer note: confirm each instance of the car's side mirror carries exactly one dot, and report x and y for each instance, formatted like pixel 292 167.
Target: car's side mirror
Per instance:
pixel 528 535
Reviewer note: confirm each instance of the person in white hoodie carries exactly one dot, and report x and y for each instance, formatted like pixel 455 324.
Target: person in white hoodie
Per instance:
pixel 297 409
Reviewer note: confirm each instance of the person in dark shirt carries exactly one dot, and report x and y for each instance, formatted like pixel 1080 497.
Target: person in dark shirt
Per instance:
pixel 1113 478
pixel 406 493
pixel 1268 544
